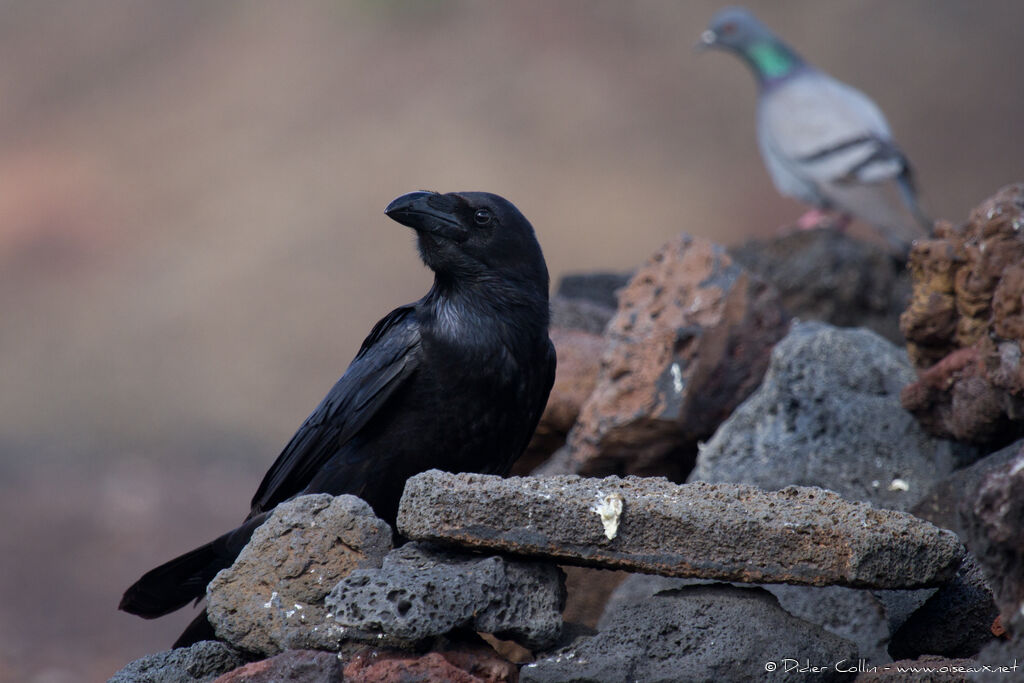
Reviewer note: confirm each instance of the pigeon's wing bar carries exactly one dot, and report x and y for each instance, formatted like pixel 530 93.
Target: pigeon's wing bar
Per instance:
pixel 826 132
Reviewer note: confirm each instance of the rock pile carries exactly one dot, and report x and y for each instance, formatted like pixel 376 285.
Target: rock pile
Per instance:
pixel 381 611
pixel 809 496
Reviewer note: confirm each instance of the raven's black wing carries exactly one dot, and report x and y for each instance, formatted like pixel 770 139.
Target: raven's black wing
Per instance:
pixel 387 358
pixel 540 391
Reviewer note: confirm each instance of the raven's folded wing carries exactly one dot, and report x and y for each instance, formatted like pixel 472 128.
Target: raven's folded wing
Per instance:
pixel 387 358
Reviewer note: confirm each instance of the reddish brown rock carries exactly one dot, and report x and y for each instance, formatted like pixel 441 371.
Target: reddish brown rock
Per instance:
pixel 965 324
pixel 297 666
pixel 455 666
pixel 689 342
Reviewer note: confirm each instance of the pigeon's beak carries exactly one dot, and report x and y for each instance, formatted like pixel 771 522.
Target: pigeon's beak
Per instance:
pixel 428 212
pixel 708 39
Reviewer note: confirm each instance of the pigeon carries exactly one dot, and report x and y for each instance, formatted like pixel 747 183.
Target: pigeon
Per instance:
pixel 824 143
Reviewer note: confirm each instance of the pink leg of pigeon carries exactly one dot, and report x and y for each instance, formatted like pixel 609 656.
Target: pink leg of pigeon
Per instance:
pixel 817 218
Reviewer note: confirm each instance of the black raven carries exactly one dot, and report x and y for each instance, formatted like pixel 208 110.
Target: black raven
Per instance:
pixel 455 381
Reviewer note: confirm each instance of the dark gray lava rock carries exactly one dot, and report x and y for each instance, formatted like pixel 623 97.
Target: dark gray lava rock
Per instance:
pixel 856 615
pixel 828 414
pixel 422 591
pixel 992 517
pixel 585 302
pixel 833 277
pixel 638 587
pixel 601 289
pixel 955 622
pixel 698 633
pixel 941 504
pixel 201 663
pixel 271 598
pixel 292 666
pixel 729 532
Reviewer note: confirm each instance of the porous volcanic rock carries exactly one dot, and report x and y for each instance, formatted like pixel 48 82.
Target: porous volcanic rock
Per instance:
pixel 450 666
pixel 422 591
pixel 965 324
pixel 729 532
pixel 689 341
pixel 698 633
pixel 941 504
pixel 856 615
pixel 291 666
pixel 828 414
pixel 992 519
pixel 200 663
pixel 955 622
pixel 831 276
pixel 271 598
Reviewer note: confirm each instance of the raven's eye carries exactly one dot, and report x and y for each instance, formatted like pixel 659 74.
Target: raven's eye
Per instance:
pixel 482 217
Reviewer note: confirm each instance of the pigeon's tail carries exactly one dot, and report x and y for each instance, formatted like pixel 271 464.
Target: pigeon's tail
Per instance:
pixel 174 584
pixel 908 190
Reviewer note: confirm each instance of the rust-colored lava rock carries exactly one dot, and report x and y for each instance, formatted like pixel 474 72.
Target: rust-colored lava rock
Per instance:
pixel 965 324
pixel 690 340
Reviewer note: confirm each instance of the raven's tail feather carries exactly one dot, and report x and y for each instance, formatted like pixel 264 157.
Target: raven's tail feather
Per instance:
pixel 174 584
pixel 198 629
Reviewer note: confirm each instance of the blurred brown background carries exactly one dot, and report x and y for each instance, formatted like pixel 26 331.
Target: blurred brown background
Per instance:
pixel 192 242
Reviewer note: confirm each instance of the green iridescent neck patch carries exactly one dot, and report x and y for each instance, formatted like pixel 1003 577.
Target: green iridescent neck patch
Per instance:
pixel 771 59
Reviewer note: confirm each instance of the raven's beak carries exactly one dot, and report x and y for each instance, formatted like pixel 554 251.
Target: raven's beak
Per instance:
pixel 708 39
pixel 428 212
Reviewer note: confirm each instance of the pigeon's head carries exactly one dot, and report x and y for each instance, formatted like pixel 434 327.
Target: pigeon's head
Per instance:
pixel 734 28
pixel 737 30
pixel 472 236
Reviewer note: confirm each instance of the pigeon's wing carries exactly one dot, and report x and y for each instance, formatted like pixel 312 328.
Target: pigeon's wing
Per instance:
pixel 386 360
pixel 829 145
pixel 818 130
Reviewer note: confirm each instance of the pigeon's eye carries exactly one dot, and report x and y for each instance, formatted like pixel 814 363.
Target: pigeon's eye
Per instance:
pixel 728 29
pixel 482 217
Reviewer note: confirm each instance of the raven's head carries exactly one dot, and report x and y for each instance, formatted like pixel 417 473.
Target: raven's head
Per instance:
pixel 472 236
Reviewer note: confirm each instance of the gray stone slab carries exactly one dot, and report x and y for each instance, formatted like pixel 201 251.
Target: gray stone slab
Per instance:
pixel 729 532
